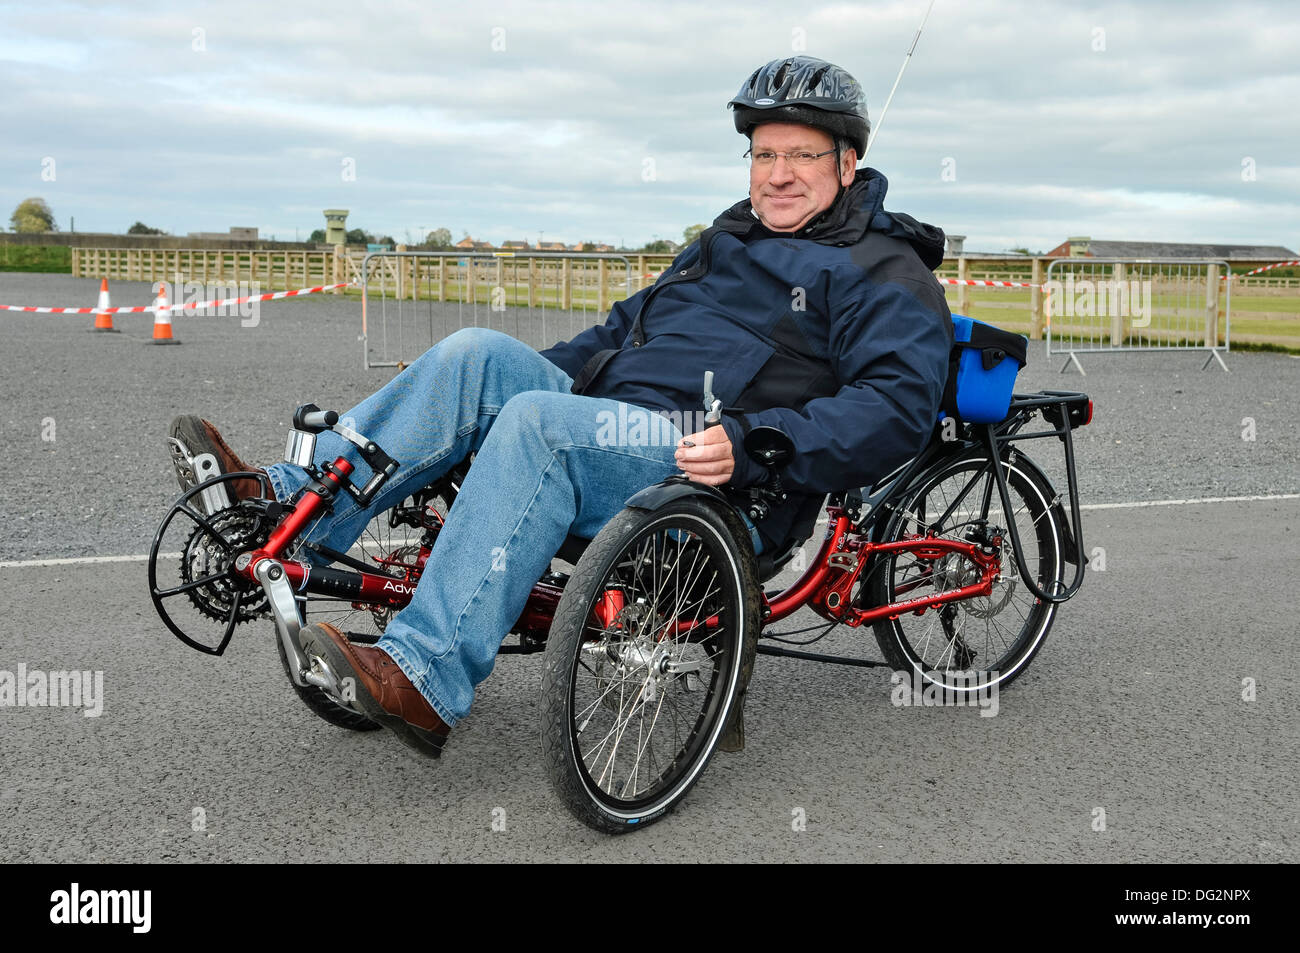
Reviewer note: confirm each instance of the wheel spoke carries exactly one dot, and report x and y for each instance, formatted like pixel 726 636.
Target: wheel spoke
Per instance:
pixel 994 633
pixel 646 686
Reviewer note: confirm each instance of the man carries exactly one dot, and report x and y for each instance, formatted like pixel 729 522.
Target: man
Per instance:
pixel 816 310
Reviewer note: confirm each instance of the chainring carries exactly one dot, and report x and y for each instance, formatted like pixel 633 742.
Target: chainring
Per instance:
pixel 240 528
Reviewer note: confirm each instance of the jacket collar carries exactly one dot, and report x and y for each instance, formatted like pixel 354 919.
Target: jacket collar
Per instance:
pixel 859 209
pixel 846 221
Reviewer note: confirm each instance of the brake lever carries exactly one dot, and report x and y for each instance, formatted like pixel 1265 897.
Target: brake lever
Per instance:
pixel 712 406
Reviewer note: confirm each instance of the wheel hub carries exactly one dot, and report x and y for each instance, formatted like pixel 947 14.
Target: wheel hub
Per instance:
pixel 954 571
pixel 639 662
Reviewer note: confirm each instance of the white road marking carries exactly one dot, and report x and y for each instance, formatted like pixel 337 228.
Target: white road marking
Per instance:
pixel 95 560
pixel 1203 499
pixel 1137 504
pixel 82 560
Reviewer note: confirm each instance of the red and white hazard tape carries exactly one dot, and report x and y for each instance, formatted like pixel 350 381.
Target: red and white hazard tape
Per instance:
pixel 1027 284
pixel 985 284
pixel 1280 264
pixel 193 306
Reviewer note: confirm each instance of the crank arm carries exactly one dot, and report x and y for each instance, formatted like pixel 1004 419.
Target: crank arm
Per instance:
pixel 284 609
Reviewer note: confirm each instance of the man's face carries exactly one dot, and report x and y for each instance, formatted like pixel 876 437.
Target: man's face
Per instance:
pixel 786 196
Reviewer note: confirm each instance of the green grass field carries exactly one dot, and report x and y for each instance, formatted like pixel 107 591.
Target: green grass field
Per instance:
pixel 1246 327
pixel 55 259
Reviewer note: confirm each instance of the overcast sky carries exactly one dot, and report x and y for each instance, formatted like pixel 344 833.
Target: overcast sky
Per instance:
pixel 606 121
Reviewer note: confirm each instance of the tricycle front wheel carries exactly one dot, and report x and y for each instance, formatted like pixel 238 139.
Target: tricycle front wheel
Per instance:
pixel 644 661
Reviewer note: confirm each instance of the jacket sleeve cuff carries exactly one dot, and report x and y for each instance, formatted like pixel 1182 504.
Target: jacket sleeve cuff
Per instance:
pixel 746 472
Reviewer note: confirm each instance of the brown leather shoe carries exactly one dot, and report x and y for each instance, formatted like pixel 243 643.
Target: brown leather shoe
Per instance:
pixel 189 439
pixel 383 692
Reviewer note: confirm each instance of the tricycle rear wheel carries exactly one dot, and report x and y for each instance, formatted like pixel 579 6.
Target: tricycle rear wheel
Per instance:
pixel 972 645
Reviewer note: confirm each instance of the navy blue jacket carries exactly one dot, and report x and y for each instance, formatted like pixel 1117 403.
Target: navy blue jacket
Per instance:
pixel 839 335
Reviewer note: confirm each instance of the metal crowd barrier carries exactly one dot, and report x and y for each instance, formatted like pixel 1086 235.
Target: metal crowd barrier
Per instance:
pixel 1096 305
pixel 411 300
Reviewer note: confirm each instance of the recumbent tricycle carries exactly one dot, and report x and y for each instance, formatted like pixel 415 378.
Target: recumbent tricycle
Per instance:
pixel 958 560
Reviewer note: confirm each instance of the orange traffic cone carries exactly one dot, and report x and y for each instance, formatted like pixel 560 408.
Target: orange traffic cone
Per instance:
pixel 162 320
pixel 103 319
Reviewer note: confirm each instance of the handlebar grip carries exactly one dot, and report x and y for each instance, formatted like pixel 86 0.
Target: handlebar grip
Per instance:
pixel 311 418
pixel 321 418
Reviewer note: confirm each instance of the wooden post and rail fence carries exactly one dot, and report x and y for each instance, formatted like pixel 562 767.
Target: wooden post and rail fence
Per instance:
pixel 575 282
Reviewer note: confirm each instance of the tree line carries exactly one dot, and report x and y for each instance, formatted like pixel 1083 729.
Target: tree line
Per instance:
pixel 35 215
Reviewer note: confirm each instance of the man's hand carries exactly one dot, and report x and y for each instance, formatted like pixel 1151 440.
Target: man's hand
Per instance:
pixel 709 460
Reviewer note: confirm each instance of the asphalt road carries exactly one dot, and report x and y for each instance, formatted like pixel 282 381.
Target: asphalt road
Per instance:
pixel 1134 707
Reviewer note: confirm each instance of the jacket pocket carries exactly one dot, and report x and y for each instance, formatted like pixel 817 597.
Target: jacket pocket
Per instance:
pixel 740 368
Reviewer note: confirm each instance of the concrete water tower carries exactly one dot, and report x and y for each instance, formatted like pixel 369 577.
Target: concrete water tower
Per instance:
pixel 336 226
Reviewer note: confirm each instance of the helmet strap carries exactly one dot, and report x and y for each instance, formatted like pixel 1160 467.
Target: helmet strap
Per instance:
pixel 839 176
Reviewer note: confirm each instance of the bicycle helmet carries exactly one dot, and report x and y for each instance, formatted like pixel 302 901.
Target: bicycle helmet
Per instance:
pixel 805 90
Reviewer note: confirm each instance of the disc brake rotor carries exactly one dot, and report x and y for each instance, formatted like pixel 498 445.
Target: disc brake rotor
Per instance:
pixel 953 571
pixel 1004 588
pixel 403 557
pixel 626 657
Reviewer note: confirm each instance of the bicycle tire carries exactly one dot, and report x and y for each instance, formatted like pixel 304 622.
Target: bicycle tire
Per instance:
pixel 673 570
pixel 944 646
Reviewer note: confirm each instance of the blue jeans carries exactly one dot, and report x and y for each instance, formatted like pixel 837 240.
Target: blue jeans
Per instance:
pixel 548 463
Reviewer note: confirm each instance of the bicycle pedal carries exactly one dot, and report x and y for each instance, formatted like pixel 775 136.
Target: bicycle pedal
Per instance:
pixel 323 677
pixel 215 498
pixel 180 456
pixel 191 470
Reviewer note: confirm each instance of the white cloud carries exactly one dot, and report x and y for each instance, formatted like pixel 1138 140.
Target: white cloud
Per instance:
pixel 1049 135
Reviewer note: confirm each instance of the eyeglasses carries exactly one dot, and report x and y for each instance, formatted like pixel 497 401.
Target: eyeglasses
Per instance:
pixel 765 160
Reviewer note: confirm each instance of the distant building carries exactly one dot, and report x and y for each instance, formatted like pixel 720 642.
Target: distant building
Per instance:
pixel 336 226
pixel 551 246
pixel 468 244
pixel 1082 246
pixel 515 246
pixel 236 233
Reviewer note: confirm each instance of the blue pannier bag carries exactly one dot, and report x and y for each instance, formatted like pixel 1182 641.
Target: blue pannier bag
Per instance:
pixel 982 371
